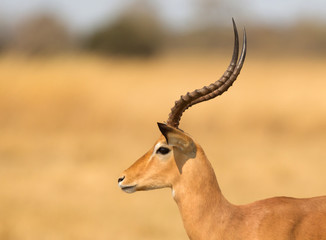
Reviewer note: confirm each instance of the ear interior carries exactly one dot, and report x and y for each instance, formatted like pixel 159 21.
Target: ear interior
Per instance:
pixel 176 138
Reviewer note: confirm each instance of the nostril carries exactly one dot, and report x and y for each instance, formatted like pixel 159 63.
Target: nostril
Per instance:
pixel 121 179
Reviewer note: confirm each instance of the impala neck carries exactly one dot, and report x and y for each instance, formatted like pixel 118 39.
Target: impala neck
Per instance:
pixel 202 206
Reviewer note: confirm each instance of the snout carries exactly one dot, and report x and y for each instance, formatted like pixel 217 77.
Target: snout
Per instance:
pixel 120 179
pixel 128 188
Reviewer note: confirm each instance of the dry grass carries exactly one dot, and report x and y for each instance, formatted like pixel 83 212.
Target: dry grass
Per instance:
pixel 70 125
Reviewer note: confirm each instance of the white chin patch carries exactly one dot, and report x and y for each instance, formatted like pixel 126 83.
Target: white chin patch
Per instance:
pixel 128 189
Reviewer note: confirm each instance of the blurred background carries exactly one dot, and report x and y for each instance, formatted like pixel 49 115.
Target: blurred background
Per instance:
pixel 83 83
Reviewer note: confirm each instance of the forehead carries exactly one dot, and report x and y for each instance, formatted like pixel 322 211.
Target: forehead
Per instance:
pixel 161 140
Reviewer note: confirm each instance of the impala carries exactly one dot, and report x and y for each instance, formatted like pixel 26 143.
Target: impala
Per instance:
pixel 178 162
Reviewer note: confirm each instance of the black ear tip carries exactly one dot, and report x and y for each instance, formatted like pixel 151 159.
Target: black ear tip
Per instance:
pixel 164 129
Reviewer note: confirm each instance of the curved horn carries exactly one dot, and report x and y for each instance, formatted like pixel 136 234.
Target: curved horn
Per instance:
pixel 215 89
pixel 224 86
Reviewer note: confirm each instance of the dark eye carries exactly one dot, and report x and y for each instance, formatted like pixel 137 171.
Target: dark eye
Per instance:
pixel 163 150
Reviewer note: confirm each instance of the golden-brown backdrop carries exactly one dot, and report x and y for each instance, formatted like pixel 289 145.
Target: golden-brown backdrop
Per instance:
pixel 70 124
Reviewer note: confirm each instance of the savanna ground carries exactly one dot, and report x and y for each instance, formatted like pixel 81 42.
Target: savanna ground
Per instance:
pixel 69 125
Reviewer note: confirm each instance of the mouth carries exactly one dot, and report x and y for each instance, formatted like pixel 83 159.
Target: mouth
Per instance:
pixel 128 189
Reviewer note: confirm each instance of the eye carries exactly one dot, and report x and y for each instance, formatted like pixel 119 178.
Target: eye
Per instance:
pixel 163 150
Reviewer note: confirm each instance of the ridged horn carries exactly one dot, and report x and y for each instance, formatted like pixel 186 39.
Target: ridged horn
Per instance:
pixel 215 89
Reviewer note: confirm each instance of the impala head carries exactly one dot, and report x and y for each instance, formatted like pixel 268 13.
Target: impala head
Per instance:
pixel 162 165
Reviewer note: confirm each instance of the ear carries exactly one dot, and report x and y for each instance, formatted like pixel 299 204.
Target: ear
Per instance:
pixel 177 138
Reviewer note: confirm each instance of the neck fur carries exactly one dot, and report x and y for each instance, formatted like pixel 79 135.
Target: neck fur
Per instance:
pixel 202 206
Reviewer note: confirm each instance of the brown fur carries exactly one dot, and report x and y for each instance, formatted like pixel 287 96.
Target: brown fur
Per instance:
pixel 207 214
